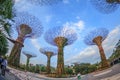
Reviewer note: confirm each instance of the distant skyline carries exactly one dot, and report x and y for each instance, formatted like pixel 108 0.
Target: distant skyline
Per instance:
pixel 81 16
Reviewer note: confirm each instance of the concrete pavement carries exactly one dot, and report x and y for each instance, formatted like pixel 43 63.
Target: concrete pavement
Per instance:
pixel 1 78
pixel 108 74
pixel 103 74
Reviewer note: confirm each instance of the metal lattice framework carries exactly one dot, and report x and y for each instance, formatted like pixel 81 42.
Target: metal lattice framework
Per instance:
pixel 96 37
pixel 44 2
pixel 103 32
pixel 106 6
pixel 29 20
pixel 27 26
pixel 60 37
pixel 65 32
pixel 48 49
pixel 28 55
pixel 49 52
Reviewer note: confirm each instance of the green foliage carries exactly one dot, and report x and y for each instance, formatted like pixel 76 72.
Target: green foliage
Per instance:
pixel 6 26
pixel 52 69
pixel 116 52
pixel 32 68
pixel 37 69
pixel 92 68
pixel 6 8
pixel 43 69
pixel 3 45
pixel 22 66
pixel 84 68
pixel 69 70
pixel 6 12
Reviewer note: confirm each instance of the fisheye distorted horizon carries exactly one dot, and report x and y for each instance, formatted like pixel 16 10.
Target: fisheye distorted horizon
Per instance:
pixel 79 15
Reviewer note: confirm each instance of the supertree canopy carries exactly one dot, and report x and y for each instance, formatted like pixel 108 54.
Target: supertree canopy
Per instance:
pixel 49 52
pixel 96 37
pixel 60 37
pixel 27 26
pixel 113 1
pixel 44 2
pixel 106 6
pixel 28 55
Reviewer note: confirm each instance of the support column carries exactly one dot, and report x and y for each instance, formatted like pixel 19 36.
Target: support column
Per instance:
pixel 27 63
pixel 48 65
pixel 60 62
pixel 103 57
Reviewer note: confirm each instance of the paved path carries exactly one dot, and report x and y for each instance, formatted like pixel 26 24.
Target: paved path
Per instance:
pixel 1 78
pixel 103 74
pixel 108 74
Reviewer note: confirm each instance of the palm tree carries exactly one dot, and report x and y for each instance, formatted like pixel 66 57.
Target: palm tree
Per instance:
pixel 6 15
pixel 3 45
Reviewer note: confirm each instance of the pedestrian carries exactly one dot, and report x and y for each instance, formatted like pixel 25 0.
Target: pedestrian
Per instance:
pixel 79 76
pixel 4 65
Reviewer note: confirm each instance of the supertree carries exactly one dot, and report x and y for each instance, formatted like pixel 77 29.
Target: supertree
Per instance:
pixel 49 52
pixel 27 26
pixel 106 6
pixel 44 2
pixel 96 37
pixel 60 37
pixel 28 55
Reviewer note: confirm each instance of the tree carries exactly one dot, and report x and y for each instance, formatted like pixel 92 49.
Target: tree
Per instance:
pixel 28 55
pixel 27 26
pixel 85 68
pixel 43 69
pixel 3 45
pixel 32 68
pixel 6 13
pixel 69 70
pixel 96 37
pixel 116 52
pixel 60 37
pixel 106 6
pixel 49 52
pixel 37 69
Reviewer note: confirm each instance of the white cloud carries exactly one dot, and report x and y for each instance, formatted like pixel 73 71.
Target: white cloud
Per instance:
pixel 35 43
pixel 76 25
pixel 79 24
pixel 91 53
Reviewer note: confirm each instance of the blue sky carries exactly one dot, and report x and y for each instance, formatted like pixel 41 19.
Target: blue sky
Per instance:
pixel 78 14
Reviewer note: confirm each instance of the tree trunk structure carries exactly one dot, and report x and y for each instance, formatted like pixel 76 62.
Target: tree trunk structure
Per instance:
pixel 60 62
pixel 14 58
pixel 104 62
pixel 27 63
pixel 113 1
pixel 48 65
pixel 60 42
